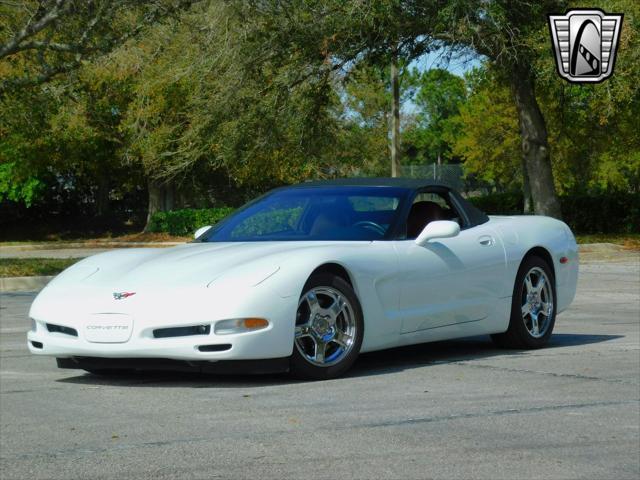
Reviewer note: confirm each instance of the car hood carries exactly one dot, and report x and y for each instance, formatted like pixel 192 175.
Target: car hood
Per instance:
pixel 202 264
pixel 185 265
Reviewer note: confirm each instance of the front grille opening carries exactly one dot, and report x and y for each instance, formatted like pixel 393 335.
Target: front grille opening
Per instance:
pixel 36 344
pixel 182 331
pixel 60 329
pixel 215 348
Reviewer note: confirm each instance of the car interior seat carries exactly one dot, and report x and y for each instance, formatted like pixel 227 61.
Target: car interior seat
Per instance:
pixel 421 214
pixel 328 219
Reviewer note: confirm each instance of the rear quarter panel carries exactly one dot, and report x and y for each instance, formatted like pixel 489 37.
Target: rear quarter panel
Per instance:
pixel 521 234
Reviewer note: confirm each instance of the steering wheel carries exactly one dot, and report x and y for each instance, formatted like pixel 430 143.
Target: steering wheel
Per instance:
pixel 371 225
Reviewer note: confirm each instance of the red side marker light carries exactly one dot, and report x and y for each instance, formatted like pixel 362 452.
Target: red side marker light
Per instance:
pixel 564 260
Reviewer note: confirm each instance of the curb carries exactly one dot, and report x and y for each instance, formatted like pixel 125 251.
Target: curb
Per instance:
pixel 23 284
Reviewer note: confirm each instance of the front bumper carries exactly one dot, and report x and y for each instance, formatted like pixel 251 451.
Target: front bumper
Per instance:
pixel 262 344
pixel 157 311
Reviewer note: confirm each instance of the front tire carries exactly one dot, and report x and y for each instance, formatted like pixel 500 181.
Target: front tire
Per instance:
pixel 533 307
pixel 329 328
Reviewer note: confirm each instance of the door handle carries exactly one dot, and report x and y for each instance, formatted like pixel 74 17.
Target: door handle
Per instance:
pixel 486 241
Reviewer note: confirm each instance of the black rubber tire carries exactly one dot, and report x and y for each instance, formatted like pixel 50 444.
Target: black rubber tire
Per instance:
pixel 300 367
pixel 517 335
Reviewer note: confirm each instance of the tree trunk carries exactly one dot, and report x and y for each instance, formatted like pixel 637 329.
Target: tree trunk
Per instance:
pixel 156 201
pixel 169 196
pixel 102 195
pixel 526 188
pixel 395 119
pixel 162 198
pixel 527 206
pixel 535 146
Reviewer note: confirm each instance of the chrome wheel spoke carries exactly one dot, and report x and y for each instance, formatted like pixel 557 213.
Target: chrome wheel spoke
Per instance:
pixel 320 350
pixel 526 310
pixel 528 284
pixel 325 331
pixel 312 301
pixel 343 339
pixel 535 329
pixel 336 308
pixel 541 283
pixel 546 309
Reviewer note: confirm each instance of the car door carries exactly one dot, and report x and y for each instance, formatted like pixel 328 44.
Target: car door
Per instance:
pixel 450 280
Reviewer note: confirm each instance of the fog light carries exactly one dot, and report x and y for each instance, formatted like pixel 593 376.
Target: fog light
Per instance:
pixel 239 325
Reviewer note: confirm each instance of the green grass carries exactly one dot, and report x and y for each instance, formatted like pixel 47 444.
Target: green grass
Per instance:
pixel 628 240
pixel 55 240
pixel 30 267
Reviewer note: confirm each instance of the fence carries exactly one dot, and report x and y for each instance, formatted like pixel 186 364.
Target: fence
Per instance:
pixel 451 174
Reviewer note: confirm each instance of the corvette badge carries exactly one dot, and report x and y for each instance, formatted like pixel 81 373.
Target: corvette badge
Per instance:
pixel 122 295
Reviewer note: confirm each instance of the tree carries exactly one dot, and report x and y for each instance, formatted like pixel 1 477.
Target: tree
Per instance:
pixel 594 131
pixel 487 137
pixel 203 104
pixel 340 33
pixel 364 121
pixel 25 146
pixel 89 133
pixel 438 97
pixel 395 117
pixel 47 38
pixel 499 30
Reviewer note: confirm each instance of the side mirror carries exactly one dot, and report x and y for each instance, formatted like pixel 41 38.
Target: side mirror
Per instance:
pixel 437 229
pixel 201 230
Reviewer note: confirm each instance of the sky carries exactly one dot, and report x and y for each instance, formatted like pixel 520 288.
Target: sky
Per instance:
pixel 457 65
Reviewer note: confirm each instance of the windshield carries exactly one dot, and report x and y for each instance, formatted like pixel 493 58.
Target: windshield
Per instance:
pixel 313 213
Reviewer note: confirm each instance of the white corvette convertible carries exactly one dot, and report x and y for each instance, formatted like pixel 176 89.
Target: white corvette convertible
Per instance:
pixel 307 277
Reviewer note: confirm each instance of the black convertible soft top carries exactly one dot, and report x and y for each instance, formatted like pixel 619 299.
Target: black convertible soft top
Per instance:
pixel 408 183
pixel 473 214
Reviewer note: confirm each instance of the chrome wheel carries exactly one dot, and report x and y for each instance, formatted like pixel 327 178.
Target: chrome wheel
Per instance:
pixel 537 302
pixel 325 326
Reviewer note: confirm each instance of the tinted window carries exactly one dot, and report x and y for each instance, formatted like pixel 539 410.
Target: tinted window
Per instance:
pixel 373 204
pixel 314 213
pixel 279 216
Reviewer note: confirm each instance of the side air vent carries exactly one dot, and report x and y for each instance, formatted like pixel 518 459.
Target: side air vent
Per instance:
pixel 215 348
pixel 60 329
pixel 36 344
pixel 182 331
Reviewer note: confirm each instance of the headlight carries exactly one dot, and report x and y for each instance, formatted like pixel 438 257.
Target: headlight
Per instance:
pixel 239 325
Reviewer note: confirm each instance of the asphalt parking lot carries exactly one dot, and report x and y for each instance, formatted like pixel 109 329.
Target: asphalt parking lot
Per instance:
pixel 458 409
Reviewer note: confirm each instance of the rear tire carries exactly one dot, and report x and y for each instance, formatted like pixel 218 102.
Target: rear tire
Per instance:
pixel 533 307
pixel 329 329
